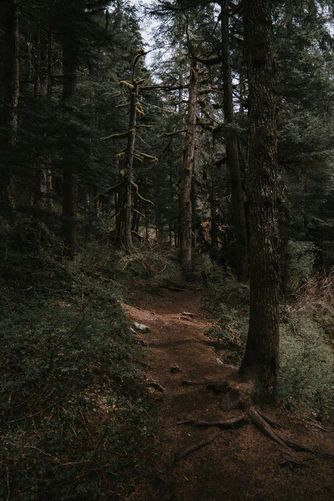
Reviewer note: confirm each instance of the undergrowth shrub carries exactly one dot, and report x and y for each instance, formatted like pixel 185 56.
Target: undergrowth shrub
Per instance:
pixel 299 262
pixel 151 263
pixel 227 301
pixel 73 411
pixel 307 358
pixel 307 367
pixel 306 375
pixel 29 252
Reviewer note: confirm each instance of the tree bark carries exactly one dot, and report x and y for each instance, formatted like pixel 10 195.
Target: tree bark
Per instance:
pixel 130 153
pixel 232 153
pixel 11 90
pixel 261 356
pixel 42 82
pixel 214 230
pixel 69 65
pixel 187 173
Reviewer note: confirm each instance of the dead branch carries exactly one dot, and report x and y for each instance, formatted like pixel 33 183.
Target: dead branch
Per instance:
pixel 165 87
pixel 120 135
pixel 156 386
pixel 138 212
pixel 227 424
pixel 140 196
pixel 109 190
pixel 144 156
pixel 175 132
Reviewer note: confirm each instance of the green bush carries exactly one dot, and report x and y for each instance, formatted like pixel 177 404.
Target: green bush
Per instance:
pixel 299 263
pixel 30 253
pixel 227 300
pixel 306 376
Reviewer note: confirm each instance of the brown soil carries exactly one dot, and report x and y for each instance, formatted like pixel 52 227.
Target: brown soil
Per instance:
pixel 238 464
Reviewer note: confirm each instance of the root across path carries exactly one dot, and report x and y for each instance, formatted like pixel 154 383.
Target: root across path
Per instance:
pixel 210 443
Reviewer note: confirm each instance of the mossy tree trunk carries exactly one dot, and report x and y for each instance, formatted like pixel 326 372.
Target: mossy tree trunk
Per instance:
pixel 261 357
pixel 69 68
pixel 187 173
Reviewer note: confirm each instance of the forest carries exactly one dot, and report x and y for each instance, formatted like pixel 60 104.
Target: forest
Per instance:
pixel 167 250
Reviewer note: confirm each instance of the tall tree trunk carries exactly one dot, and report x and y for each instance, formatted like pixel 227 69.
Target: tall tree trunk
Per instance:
pixel 187 173
pixel 69 64
pixel 261 357
pixel 11 88
pixel 42 76
pixel 130 153
pixel 214 230
pixel 232 152
pixel 49 64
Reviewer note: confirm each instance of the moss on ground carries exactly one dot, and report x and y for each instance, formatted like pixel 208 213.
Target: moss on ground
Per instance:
pixel 74 417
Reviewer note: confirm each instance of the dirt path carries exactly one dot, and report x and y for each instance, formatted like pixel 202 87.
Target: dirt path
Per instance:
pixel 239 464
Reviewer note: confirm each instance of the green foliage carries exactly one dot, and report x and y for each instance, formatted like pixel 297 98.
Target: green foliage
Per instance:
pixel 150 265
pixel 224 288
pixel 300 259
pixel 307 366
pixel 29 252
pixel 227 300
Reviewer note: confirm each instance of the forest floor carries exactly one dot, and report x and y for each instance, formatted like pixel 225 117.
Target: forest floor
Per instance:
pixel 211 463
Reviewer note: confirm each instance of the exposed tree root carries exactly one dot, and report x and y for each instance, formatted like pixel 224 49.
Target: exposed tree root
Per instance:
pixel 304 448
pixel 220 387
pixel 187 382
pixel 229 423
pixel 269 420
pixel 263 425
pixel 292 464
pixel 194 447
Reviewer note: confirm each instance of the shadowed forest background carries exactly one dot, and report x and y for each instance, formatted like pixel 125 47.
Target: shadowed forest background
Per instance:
pixel 191 178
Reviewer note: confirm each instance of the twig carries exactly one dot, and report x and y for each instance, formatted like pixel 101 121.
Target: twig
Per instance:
pixel 187 382
pixel 7 483
pixel 228 423
pixel 31 416
pixel 192 448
